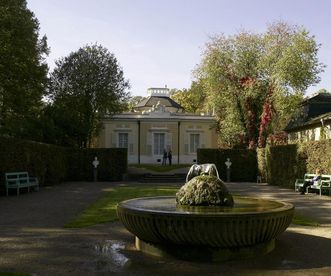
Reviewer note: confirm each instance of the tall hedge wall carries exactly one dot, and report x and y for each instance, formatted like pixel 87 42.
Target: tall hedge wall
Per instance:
pixel 244 162
pixel 112 164
pixel 318 155
pixel 282 166
pixel 278 165
pixel 47 162
pixel 53 164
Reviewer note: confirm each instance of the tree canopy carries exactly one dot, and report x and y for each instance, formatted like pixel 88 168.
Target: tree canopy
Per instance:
pixel 192 99
pixel 254 81
pixel 133 101
pixel 23 71
pixel 87 85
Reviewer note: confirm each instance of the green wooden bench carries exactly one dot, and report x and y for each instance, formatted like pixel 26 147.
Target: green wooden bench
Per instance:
pixel 18 180
pixel 299 182
pixel 324 184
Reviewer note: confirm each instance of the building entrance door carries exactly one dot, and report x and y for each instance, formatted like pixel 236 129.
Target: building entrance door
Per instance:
pixel 158 143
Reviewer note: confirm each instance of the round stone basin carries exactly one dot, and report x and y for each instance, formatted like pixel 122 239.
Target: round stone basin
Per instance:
pixel 250 222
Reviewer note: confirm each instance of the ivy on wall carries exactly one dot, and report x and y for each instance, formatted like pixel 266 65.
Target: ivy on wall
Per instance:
pixel 278 165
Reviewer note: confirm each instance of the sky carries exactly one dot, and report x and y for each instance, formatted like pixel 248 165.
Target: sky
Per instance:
pixel 160 42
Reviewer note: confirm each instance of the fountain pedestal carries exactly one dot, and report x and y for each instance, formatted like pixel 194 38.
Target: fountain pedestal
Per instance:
pixel 247 229
pixel 205 253
pixel 204 221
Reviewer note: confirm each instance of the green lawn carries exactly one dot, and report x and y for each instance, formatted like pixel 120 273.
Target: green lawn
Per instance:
pixel 104 209
pixel 160 168
pixel 300 219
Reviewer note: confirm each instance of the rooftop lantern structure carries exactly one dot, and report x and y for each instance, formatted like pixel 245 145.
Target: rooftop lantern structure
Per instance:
pixel 158 92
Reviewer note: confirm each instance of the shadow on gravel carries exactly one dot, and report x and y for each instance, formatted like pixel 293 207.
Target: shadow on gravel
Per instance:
pixel 294 252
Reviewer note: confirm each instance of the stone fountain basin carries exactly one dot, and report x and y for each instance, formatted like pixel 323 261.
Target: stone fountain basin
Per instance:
pixel 252 221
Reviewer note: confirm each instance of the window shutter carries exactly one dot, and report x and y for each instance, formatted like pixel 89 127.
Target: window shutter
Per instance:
pixel 169 140
pixel 130 143
pixel 186 143
pixel 113 140
pixel 149 143
pixel 203 141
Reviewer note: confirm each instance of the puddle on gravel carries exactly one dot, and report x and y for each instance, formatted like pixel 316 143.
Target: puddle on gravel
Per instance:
pixel 110 257
pixel 288 264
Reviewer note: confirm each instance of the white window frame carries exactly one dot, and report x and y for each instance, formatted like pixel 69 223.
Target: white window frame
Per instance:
pixel 194 143
pixel 120 143
pixel 158 149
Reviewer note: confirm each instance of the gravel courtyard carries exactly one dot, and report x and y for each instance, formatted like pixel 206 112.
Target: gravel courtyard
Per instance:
pixel 33 240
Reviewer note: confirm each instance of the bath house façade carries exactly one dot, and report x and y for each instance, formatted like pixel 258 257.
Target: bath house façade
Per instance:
pixel 156 124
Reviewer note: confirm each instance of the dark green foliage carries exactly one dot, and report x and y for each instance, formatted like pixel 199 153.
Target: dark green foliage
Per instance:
pixel 282 165
pixel 61 127
pixel 53 164
pixel 85 86
pixel 317 155
pixel 23 71
pixel 278 165
pixel 47 162
pixel 244 162
pixel 112 164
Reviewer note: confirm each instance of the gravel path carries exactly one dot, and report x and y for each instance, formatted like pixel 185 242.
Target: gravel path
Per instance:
pixel 33 240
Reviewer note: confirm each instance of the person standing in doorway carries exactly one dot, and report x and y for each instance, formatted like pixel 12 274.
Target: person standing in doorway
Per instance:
pixel 169 156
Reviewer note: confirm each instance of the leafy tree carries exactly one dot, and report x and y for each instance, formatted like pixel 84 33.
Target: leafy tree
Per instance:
pixel 255 81
pixel 87 85
pixel 23 71
pixel 61 126
pixel 323 90
pixel 191 99
pixel 133 101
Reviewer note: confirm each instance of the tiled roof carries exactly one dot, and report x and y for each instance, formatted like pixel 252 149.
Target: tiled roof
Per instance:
pixel 310 110
pixel 153 100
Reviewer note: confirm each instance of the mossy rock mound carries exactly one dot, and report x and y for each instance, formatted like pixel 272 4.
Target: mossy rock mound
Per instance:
pixel 204 190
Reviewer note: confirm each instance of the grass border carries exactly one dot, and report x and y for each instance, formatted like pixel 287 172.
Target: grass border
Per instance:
pixel 160 168
pixel 103 210
pixel 300 219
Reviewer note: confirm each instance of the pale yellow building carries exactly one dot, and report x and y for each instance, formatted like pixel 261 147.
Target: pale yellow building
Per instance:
pixel 312 120
pixel 157 124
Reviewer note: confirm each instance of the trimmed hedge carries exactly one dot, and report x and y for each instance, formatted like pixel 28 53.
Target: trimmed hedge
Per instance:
pixel 281 165
pixel 278 165
pixel 317 155
pixel 47 162
pixel 244 162
pixel 53 164
pixel 112 164
pixel 284 164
